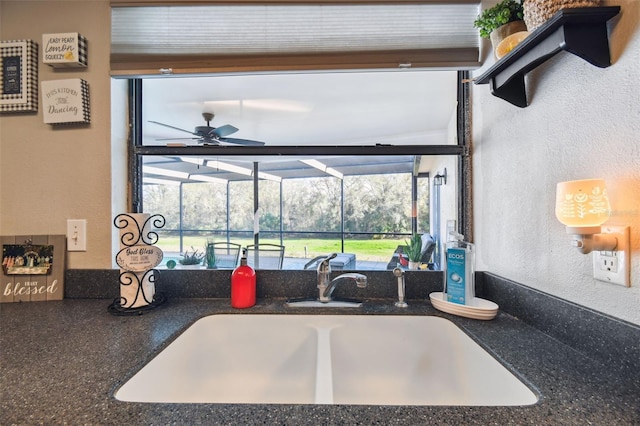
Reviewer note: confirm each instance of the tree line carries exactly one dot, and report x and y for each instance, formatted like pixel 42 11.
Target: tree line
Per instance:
pixel 372 204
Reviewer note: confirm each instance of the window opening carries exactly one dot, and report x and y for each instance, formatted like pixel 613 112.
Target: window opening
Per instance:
pixel 276 217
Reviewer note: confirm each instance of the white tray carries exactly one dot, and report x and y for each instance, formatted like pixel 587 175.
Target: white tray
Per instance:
pixel 480 309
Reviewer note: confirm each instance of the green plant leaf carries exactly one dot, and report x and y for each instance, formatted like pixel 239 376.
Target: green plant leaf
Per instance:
pixel 502 13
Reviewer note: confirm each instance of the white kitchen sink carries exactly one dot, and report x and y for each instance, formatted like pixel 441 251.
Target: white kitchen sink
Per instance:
pixel 325 359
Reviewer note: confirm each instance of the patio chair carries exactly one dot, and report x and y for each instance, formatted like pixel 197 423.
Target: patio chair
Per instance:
pixel 227 254
pixel 265 256
pixel 428 246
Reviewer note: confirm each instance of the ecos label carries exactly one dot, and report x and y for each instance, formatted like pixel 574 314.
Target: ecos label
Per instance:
pixel 456 275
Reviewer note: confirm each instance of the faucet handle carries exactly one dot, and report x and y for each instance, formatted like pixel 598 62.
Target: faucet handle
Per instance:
pixel 324 265
pixel 313 262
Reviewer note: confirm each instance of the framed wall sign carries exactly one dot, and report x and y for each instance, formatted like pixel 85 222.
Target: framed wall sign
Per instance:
pixel 64 50
pixel 32 268
pixel 65 101
pixel 18 76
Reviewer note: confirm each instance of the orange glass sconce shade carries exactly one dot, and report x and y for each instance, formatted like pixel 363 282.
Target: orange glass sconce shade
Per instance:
pixel 582 206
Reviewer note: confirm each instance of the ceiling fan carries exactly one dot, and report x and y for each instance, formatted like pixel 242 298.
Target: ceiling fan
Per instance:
pixel 208 135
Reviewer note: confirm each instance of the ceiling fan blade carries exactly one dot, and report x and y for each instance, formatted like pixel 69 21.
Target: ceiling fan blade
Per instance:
pixel 241 141
pixel 172 127
pixel 176 139
pixel 223 131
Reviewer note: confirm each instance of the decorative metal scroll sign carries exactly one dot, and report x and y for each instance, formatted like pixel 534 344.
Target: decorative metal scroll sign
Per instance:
pixel 137 258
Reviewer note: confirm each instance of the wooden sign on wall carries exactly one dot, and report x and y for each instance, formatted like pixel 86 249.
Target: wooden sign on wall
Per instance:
pixel 32 268
pixel 64 50
pixel 65 101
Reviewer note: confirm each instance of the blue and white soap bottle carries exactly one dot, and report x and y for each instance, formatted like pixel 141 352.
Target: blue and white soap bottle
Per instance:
pixel 459 276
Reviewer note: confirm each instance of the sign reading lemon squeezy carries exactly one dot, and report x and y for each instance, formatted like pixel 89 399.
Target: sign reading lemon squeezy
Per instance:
pixel 65 50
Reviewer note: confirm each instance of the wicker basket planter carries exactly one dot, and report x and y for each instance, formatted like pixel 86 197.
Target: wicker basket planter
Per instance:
pixel 537 12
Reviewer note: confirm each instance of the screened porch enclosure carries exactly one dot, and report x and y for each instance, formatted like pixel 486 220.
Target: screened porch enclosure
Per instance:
pixel 367 207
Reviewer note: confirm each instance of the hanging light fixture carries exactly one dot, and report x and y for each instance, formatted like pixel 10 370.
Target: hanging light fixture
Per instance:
pixel 440 178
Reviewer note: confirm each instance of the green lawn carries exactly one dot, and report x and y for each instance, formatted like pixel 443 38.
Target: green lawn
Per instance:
pixel 370 250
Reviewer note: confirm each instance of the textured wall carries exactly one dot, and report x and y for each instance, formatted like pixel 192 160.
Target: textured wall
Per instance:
pixel 50 174
pixel 582 122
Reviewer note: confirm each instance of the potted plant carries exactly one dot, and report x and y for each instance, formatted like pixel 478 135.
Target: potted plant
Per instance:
pixel 501 21
pixel 414 251
pixel 191 259
pixel 210 257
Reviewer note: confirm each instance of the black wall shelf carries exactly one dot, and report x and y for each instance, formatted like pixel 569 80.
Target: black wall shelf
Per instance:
pixel 581 31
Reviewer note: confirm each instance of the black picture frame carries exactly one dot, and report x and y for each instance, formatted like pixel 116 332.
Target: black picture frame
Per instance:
pixel 18 76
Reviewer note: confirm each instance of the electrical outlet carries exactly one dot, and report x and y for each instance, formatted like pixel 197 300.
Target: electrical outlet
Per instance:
pixel 76 235
pixel 614 266
pixel 606 261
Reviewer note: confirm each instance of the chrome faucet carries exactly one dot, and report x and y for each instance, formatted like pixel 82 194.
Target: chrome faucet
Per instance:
pixel 326 286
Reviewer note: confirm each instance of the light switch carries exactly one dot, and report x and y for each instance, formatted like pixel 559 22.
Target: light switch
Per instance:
pixel 76 235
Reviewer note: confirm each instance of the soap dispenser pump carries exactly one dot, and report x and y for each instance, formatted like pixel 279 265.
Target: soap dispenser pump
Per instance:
pixel 243 284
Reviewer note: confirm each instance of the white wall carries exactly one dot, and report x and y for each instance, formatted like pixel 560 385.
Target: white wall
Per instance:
pixel 582 122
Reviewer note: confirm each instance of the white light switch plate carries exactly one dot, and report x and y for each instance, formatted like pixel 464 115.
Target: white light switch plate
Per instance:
pixel 76 235
pixel 614 266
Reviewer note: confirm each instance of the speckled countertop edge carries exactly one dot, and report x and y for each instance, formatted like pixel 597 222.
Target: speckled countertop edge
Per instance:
pixel 60 362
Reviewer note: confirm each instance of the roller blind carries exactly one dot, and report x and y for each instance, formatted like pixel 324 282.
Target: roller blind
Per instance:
pixel 257 37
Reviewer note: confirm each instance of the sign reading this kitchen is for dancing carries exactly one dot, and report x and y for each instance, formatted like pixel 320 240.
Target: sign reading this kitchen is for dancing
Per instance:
pixel 66 101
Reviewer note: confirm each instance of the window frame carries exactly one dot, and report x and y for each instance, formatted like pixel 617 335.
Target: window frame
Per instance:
pixel 462 150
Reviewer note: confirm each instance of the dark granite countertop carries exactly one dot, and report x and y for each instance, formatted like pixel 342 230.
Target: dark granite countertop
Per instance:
pixel 62 361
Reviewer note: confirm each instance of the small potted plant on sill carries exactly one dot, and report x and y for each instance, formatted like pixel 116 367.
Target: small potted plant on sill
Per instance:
pixel 414 251
pixel 193 259
pixel 503 24
pixel 210 257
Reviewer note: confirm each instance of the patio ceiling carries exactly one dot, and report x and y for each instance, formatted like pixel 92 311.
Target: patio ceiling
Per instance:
pixel 322 108
pixel 399 108
pixel 282 167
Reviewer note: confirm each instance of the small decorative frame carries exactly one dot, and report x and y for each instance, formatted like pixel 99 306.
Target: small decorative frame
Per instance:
pixel 18 76
pixel 32 268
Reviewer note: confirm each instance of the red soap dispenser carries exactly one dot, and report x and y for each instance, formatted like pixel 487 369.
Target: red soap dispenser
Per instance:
pixel 243 284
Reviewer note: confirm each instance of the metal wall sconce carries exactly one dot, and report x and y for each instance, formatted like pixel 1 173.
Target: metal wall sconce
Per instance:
pixel 440 178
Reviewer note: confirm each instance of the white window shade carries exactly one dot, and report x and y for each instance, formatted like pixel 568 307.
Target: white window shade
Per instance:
pixel 292 36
